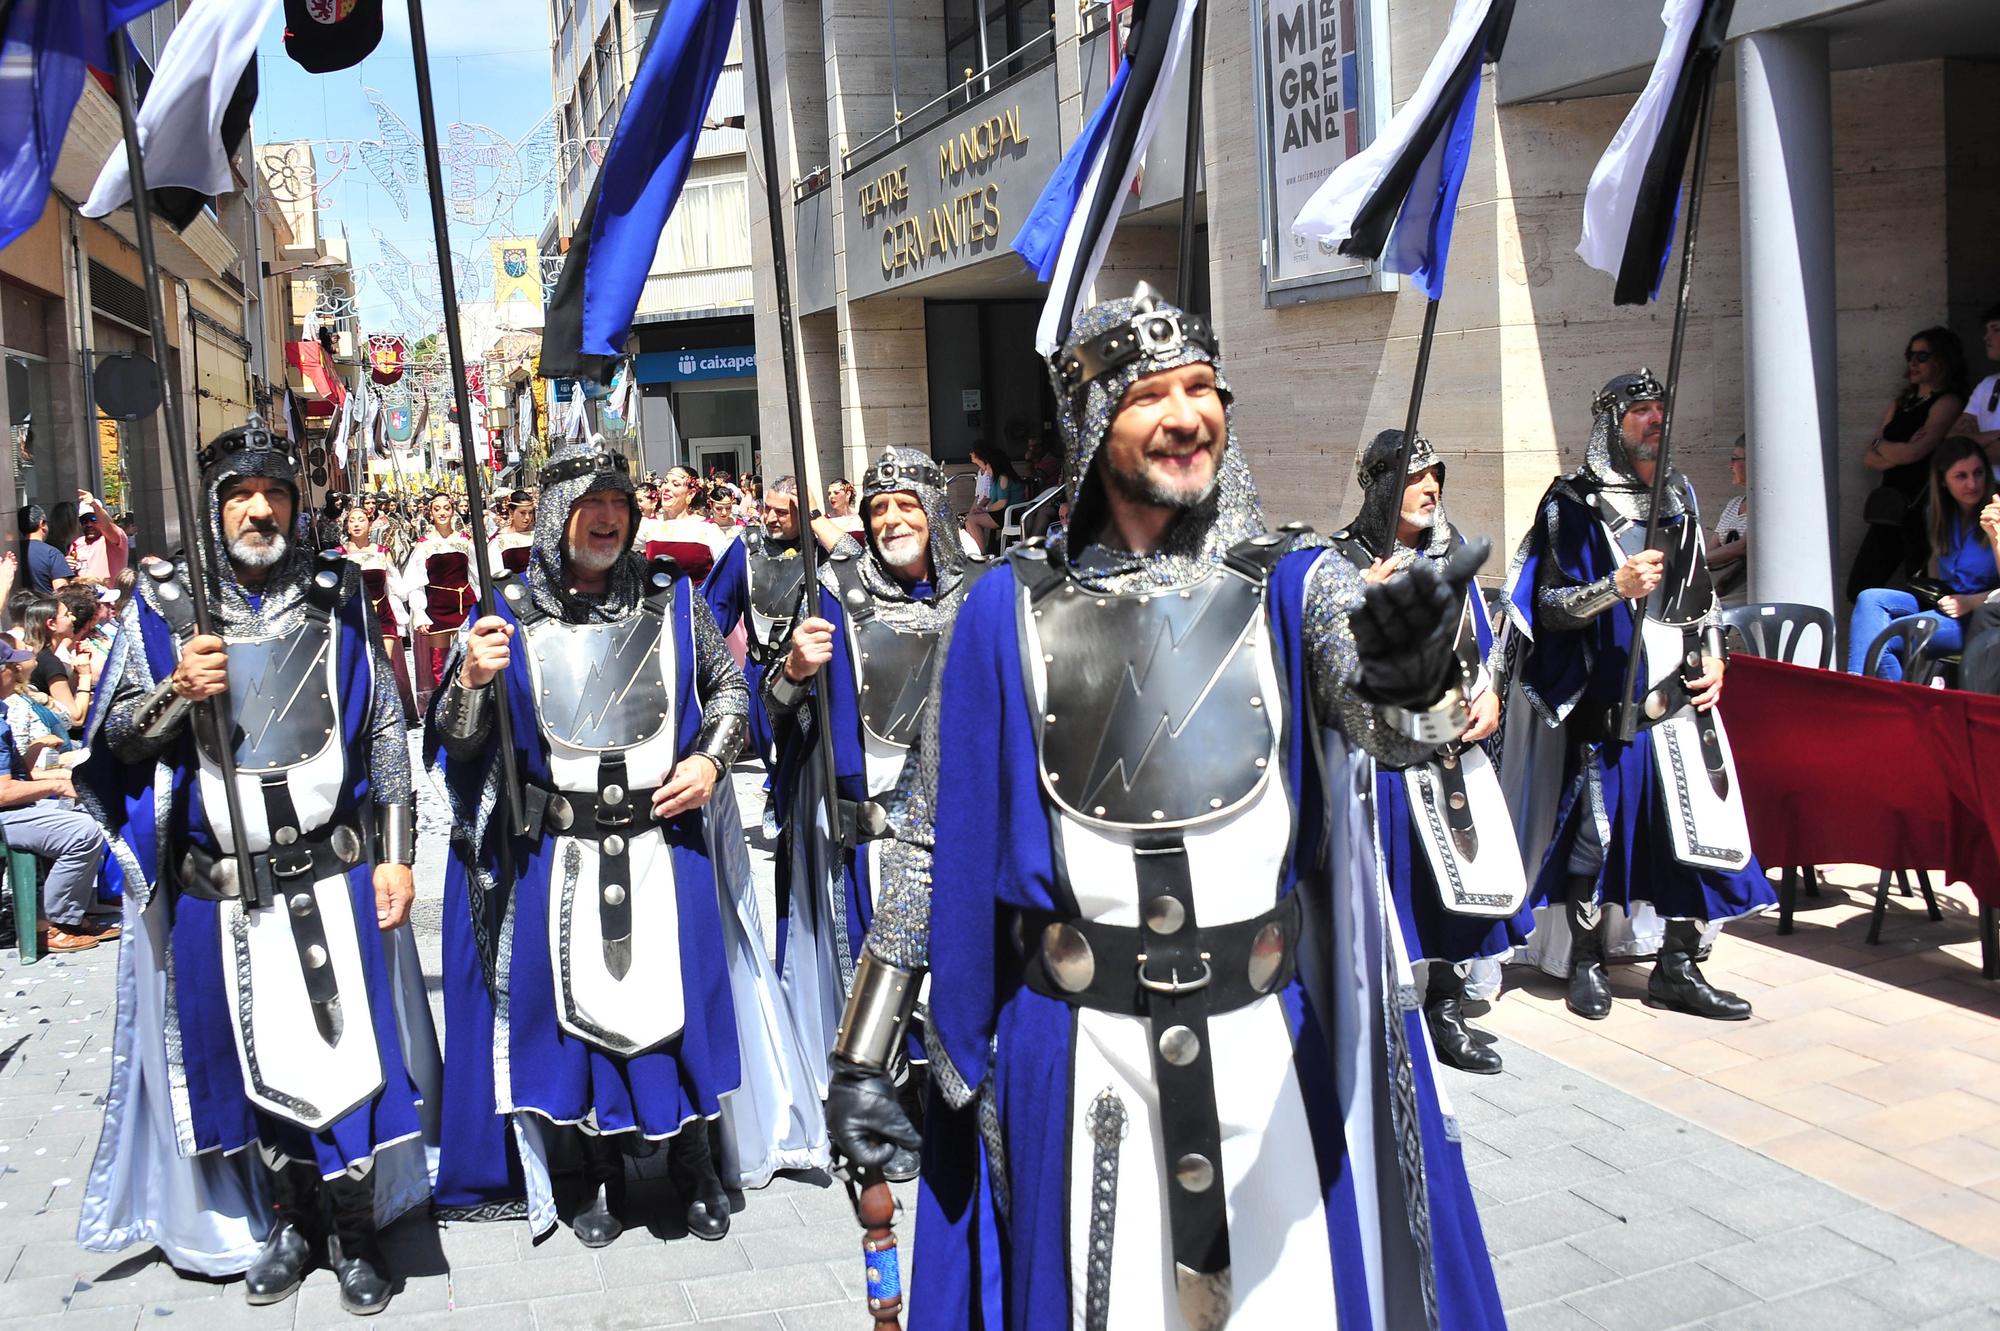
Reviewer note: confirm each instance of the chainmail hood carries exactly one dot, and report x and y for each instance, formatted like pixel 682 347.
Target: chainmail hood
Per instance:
pixel 1607 463
pixel 576 470
pixel 1166 339
pixel 1382 494
pixel 249 451
pixel 910 471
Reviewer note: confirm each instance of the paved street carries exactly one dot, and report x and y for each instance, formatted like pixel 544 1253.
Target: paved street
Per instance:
pixel 1603 1209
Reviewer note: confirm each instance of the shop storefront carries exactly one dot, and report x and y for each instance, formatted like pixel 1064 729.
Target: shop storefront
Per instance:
pixel 699 398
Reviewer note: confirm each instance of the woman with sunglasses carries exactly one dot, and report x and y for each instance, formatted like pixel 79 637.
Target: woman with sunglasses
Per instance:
pixel 1914 423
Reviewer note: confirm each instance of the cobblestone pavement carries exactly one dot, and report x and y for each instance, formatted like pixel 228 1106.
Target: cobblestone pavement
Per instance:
pixel 1602 1210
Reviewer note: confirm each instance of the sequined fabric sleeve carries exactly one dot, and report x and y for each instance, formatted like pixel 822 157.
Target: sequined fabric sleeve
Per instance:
pixel 1562 604
pixel 718 679
pixel 121 730
pixel 389 751
pixel 1333 592
pixel 900 934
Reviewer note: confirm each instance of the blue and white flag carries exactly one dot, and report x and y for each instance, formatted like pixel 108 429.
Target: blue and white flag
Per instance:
pixel 1395 199
pixel 194 113
pixel 590 314
pixel 1069 229
pixel 45 46
pixel 1629 211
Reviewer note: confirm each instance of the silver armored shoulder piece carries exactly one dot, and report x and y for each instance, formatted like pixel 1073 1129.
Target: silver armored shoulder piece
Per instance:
pixel 723 739
pixel 877 1013
pixel 396 834
pixel 462 712
pixel 160 713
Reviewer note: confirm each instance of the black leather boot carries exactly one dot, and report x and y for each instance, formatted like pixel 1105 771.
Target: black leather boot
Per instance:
pixel 597 1224
pixel 287 1253
pixel 692 1170
pixel 1677 983
pixel 1452 1038
pixel 1589 987
pixel 352 1250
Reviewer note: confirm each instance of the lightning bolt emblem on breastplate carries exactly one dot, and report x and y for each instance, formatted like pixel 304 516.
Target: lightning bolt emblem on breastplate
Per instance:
pixel 258 711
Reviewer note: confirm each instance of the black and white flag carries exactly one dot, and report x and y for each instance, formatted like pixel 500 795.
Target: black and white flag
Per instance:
pixel 1629 212
pixel 194 114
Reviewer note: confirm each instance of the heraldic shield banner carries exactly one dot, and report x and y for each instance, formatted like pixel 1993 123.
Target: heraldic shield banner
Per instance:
pixel 517 270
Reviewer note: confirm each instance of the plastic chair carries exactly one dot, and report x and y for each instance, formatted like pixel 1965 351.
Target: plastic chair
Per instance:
pixel 24 883
pixel 1916 631
pixel 1016 519
pixel 1776 630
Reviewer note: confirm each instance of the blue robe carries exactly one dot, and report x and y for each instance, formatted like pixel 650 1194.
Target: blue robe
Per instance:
pixel 994 852
pixel 1561 670
pixel 726 589
pixel 556 1078
pixel 200 1196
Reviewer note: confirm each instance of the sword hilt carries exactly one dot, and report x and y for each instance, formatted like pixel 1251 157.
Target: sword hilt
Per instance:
pixel 875 1208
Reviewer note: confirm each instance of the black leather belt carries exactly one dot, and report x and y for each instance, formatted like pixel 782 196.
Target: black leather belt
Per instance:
pixel 607 817
pixel 1594 723
pixel 207 876
pixel 1174 973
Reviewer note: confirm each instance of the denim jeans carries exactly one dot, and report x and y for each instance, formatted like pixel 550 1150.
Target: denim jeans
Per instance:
pixel 1876 609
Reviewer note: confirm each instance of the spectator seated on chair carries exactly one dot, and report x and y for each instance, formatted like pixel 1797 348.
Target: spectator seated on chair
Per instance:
pixel 1962 571
pixel 38 814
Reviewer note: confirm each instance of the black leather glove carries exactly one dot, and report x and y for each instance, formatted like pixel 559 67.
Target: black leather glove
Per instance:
pixel 863 1117
pixel 1407 626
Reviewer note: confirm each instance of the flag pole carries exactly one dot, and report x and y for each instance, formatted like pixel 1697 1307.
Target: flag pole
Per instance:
pixel 189 511
pixel 875 1206
pixel 1192 157
pixel 510 785
pixel 1628 714
pixel 1424 342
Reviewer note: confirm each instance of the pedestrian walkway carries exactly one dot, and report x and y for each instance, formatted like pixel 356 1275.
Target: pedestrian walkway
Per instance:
pixel 1605 1203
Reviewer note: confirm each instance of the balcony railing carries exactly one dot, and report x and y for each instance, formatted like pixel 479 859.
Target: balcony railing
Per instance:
pixel 1024 60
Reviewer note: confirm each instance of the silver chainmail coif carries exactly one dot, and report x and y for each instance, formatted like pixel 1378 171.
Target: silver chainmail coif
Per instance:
pixel 1607 462
pixel 548 578
pixel 251 451
pixel 1382 495
pixel 912 472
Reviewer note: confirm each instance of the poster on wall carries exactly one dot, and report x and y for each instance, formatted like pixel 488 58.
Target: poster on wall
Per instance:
pixel 1313 82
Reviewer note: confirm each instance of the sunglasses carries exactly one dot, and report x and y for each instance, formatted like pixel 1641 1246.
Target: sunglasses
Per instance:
pixel 1917 357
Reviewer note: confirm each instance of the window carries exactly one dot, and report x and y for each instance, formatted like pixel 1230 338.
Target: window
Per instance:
pixel 1010 25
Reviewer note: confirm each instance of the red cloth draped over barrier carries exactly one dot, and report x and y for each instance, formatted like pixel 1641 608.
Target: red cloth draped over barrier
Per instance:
pixel 1839 769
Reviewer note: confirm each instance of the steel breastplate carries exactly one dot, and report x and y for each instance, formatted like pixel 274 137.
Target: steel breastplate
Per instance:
pixel 282 711
pixel 1686 592
pixel 1152 711
pixel 775 582
pixel 897 670
pixel 600 686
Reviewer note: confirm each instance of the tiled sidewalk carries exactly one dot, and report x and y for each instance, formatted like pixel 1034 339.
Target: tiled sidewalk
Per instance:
pixel 1875 1069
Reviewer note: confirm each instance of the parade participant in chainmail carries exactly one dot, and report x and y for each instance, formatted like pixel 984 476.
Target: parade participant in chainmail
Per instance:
pixel 754 584
pixel 872 643
pixel 589 968
pixel 276 1079
pixel 1639 844
pixel 1447 842
pixel 1139 881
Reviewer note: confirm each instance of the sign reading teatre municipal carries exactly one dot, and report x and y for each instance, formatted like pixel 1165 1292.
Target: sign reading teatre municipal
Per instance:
pixel 954 195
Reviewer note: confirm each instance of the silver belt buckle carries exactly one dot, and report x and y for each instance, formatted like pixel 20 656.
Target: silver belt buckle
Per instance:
pixel 1174 984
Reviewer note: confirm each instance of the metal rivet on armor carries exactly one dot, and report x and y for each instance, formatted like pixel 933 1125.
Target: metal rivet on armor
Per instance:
pixel 346 843
pixel 1179 1046
pixel 1049 719
pixel 1145 600
pixel 1215 802
pixel 302 904
pixel 614 895
pixel 1159 814
pixel 1449 761
pixel 1266 538
pixel 1458 799
pixel 1054 777
pixel 169 592
pixel 864 688
pixel 1262 763
pixel 864 656
pixel 1048 658
pixel 1067 956
pixel 515 591
pixel 855 596
pixel 1194 1172
pixel 613 844
pixel 1656 706
pixel 1165 914
pixel 326 578
pixel 1267 955
pixel 612 794
pixel 1102 601
pixel 315 956
pixel 1256 701
pixel 560 814
pixel 285 836
pixel 1186 595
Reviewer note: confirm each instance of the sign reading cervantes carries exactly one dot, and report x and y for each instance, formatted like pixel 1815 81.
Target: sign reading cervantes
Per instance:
pixel 1313 90
pixel 953 195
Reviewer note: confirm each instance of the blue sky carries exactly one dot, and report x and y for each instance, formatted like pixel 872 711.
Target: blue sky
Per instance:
pixel 490 67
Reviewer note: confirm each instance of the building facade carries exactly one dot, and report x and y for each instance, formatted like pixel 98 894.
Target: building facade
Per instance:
pixel 694 358
pixel 915 137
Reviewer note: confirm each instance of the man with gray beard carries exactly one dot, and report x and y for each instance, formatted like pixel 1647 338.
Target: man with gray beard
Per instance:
pixel 873 646
pixel 286 1013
